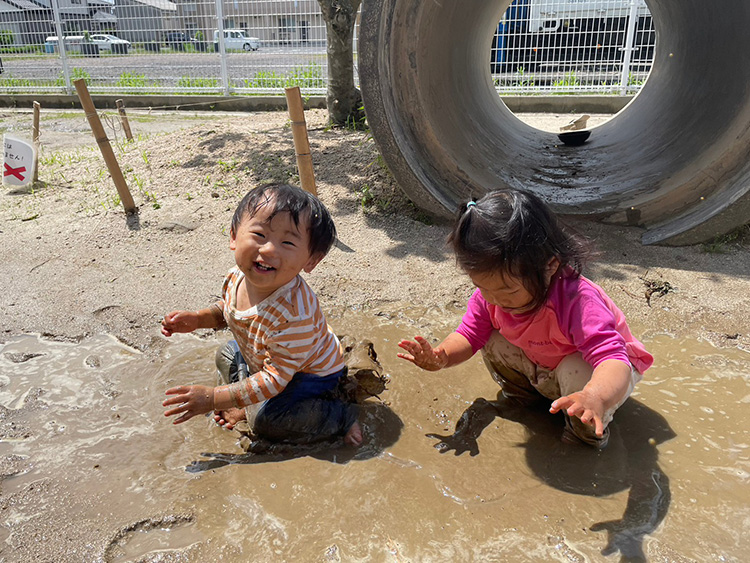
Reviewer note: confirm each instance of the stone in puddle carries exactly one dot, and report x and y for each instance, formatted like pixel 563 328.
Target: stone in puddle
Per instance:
pixel 20 357
pixel 93 361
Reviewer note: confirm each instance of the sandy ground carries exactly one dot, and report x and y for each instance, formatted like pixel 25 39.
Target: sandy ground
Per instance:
pixel 74 266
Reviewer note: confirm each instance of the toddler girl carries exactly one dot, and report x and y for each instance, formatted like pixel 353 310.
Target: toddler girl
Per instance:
pixel 544 330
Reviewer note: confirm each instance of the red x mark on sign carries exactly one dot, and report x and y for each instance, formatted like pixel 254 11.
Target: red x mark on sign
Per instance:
pixel 9 171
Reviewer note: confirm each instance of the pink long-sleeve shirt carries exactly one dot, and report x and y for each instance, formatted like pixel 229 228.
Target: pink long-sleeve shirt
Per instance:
pixel 577 317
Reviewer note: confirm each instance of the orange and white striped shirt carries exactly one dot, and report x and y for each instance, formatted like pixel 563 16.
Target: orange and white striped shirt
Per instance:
pixel 284 334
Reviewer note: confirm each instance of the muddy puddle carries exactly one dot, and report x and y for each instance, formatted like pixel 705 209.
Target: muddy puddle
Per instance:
pixel 90 465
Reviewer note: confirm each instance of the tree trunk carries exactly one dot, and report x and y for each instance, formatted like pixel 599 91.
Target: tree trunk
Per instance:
pixel 343 99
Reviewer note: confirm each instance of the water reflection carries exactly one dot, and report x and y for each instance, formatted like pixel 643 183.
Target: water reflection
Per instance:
pixel 630 462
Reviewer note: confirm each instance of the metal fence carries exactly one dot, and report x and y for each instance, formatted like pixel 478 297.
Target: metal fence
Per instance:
pixel 573 46
pixel 262 46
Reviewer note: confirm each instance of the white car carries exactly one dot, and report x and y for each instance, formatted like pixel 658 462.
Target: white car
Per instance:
pixel 235 39
pixel 110 42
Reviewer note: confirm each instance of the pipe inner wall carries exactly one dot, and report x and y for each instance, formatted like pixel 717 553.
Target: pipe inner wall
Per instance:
pixel 447 136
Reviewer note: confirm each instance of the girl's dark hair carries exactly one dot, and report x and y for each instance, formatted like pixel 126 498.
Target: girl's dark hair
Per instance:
pixel 514 232
pixel 301 206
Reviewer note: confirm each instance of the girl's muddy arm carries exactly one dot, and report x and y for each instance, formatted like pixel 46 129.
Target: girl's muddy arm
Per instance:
pixel 188 321
pixel 452 351
pixel 609 384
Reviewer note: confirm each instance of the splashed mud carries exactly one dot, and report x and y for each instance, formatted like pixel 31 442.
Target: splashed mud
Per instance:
pixel 97 473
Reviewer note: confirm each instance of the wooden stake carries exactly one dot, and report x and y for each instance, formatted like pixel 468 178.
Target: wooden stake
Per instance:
pixel 124 120
pixel 35 139
pixel 301 142
pixel 101 139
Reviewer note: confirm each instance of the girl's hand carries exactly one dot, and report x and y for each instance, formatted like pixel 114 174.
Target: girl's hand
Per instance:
pixel 585 405
pixel 179 321
pixel 191 400
pixel 421 354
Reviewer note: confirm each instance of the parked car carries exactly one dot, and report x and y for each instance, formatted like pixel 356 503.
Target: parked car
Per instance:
pixel 110 43
pixel 235 39
pixel 177 40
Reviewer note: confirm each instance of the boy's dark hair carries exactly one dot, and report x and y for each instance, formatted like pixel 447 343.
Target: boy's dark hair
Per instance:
pixel 300 205
pixel 514 232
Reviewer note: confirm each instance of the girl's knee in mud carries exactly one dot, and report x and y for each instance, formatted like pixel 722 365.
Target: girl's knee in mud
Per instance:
pixel 545 331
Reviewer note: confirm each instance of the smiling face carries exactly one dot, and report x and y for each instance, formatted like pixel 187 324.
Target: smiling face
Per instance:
pixel 271 252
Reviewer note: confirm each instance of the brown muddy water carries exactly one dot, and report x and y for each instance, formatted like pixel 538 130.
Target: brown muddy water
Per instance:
pixel 86 452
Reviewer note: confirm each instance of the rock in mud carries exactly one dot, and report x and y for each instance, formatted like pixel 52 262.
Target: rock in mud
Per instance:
pixel 365 378
pixel 20 357
pixel 93 361
pixel 11 429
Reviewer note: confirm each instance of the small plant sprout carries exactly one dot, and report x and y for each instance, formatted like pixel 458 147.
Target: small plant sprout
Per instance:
pixel 366 197
pixel 228 166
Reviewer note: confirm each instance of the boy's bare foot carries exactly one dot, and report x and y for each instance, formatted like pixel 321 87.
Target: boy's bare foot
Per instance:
pixel 353 436
pixel 229 417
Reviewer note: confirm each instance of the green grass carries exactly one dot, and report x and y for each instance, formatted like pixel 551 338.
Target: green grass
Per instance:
pixel 726 243
pixel 308 76
pixel 21 49
pixel 9 81
pixel 227 166
pixel 75 74
pixel 131 80
pixel 193 82
pixel 265 79
pixel 567 81
pixel 524 79
pixel 62 115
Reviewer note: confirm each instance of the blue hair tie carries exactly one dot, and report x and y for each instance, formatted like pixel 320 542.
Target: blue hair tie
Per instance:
pixel 471 204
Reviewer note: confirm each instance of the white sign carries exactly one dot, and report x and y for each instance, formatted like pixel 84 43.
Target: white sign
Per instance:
pixel 18 162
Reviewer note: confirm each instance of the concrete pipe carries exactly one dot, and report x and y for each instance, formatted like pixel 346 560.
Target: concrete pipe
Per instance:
pixel 674 160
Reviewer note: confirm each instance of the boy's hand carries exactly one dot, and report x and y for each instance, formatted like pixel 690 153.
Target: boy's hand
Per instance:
pixel 423 355
pixel 191 400
pixel 179 321
pixel 585 405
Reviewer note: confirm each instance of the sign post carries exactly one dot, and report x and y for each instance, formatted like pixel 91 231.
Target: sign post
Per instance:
pixel 18 161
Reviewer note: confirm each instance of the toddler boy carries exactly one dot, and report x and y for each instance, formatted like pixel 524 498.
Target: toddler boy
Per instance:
pixel 279 371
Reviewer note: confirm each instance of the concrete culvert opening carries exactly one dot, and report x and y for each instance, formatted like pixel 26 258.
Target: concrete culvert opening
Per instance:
pixel 675 160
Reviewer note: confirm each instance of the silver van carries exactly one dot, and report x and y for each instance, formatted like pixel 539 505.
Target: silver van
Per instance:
pixel 236 40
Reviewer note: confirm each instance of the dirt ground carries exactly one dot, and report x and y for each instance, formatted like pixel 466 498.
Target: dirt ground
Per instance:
pixel 74 265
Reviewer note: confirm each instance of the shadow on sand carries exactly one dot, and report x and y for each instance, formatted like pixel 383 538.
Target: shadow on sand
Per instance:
pixel 630 462
pixel 381 428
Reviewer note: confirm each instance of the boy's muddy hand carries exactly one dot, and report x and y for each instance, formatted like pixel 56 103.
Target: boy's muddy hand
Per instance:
pixel 586 406
pixel 179 321
pixel 228 418
pixel 421 354
pixel 191 400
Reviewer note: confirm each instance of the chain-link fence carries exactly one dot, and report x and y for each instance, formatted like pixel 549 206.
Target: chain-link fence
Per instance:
pixel 262 46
